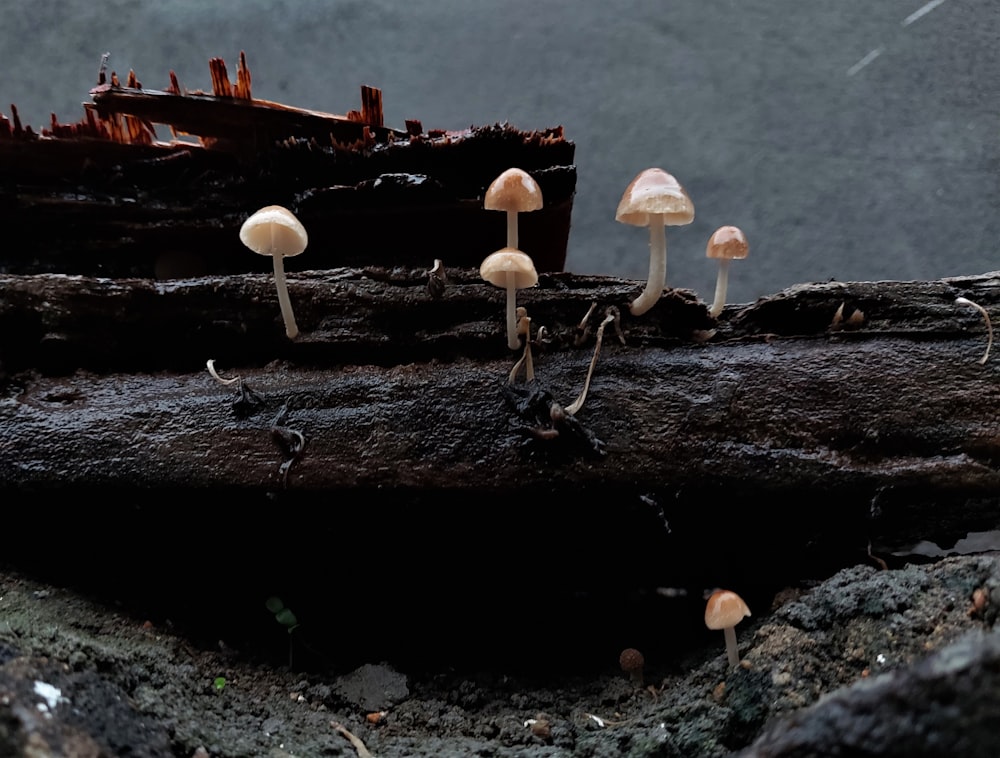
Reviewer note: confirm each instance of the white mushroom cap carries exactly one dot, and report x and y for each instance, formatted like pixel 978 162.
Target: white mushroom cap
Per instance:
pixel 496 266
pixel 274 230
pixel 655 192
pixel 513 190
pixel 725 609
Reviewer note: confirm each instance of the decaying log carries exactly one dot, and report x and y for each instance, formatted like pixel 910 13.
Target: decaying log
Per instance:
pixel 391 387
pixel 108 196
pixel 385 444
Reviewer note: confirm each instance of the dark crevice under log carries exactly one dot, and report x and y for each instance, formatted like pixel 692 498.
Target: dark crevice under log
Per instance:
pixel 779 446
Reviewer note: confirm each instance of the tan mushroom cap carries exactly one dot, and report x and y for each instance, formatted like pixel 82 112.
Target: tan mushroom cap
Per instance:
pixel 654 191
pixel 274 230
pixel 495 267
pixel 725 609
pixel 728 242
pixel 513 190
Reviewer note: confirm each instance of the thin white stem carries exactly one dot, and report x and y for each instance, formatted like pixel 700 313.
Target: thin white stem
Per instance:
pixel 577 404
pixel 513 342
pixel 291 328
pixel 721 283
pixel 215 374
pixel 989 326
pixel 657 267
pixel 512 229
pixel 732 651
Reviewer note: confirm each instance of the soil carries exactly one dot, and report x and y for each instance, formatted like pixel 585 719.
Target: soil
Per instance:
pixel 82 676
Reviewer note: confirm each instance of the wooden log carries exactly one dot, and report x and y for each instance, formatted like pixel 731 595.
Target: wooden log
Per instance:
pixel 785 444
pixel 779 397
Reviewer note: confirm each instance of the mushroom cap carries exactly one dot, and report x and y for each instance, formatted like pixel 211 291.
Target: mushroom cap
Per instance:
pixel 655 191
pixel 513 190
pixel 496 265
pixel 724 609
pixel 631 660
pixel 727 242
pixel 274 230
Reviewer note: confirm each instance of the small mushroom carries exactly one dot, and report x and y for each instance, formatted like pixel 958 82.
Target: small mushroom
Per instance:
pixel 657 200
pixel 725 609
pixel 514 191
pixel 727 243
pixel 513 270
pixel 275 231
pixel 632 663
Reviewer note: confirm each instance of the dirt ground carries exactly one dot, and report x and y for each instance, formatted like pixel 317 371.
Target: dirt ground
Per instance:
pixel 84 678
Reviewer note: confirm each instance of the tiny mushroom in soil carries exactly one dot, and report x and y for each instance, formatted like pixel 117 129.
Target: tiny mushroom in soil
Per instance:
pixel 725 609
pixel 657 200
pixel 632 663
pixel 727 243
pixel 274 231
pixel 514 191
pixel 513 270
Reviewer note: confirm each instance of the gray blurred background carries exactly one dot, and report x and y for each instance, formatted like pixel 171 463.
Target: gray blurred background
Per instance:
pixel 850 139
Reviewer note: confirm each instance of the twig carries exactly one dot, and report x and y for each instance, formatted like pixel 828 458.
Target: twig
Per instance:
pixel 356 741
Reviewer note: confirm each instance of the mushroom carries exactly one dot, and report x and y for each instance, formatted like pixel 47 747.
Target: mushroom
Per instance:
pixel 513 270
pixel 516 192
pixel 275 231
pixel 727 243
pixel 632 663
pixel 657 200
pixel 725 609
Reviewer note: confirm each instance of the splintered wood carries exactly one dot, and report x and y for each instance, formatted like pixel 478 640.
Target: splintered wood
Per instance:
pixel 229 116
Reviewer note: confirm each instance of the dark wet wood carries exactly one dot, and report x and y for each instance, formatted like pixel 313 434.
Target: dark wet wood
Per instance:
pixel 392 387
pixel 781 446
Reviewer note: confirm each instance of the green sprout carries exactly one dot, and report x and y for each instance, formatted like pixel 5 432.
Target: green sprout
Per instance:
pixel 219 683
pixel 286 618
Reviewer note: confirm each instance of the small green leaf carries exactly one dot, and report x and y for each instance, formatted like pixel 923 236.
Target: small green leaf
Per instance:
pixel 219 683
pixel 286 618
pixel 274 604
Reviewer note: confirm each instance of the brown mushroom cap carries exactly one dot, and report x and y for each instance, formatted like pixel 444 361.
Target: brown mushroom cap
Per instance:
pixel 727 242
pixel 513 190
pixel 495 267
pixel 631 660
pixel 654 191
pixel 274 230
pixel 725 609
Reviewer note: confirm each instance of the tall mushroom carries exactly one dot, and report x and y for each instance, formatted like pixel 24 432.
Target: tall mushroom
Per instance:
pixel 513 270
pixel 657 200
pixel 727 243
pixel 514 191
pixel 274 231
pixel 724 610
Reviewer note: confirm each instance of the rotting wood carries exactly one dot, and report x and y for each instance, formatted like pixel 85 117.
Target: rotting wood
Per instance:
pixel 105 196
pixel 386 374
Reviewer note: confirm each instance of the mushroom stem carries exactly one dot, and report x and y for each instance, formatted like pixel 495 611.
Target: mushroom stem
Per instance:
pixel 512 229
pixel 291 328
pixel 989 326
pixel 577 404
pixel 657 267
pixel 732 651
pixel 513 342
pixel 721 284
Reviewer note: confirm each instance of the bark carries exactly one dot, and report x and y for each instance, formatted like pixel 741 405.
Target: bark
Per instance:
pixel 776 443
pixel 392 387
